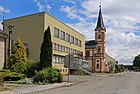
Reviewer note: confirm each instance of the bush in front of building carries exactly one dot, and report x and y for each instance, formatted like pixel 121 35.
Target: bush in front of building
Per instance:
pixel 12 76
pixel 49 75
pixel 31 68
pixel 18 59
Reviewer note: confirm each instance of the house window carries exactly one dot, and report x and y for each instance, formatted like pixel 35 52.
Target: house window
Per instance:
pixel 87 53
pixel 63 48
pixel 79 43
pixel 67 37
pixel 62 35
pixel 97 66
pixel 57 46
pixel 56 32
pixel 72 39
pixel 56 59
pixel 76 41
pixel 60 48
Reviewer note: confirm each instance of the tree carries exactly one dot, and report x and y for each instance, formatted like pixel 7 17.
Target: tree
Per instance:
pixel 136 62
pixel 46 51
pixel 18 57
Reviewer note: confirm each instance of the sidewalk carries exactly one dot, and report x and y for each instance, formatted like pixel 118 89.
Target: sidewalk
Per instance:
pixel 35 88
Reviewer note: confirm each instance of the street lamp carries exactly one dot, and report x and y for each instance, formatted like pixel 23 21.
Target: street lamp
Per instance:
pixel 10 27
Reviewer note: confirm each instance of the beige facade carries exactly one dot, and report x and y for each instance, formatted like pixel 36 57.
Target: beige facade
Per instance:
pixel 30 29
pixel 111 62
pixel 3 37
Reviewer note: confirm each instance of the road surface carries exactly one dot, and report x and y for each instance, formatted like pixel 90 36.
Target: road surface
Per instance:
pixel 125 83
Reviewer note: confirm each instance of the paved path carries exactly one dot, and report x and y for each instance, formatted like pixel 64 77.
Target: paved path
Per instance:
pixel 126 83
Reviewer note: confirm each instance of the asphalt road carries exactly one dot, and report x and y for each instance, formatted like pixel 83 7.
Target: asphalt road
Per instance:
pixel 125 83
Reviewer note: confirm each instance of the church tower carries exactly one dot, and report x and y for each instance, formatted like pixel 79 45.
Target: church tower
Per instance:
pixel 99 64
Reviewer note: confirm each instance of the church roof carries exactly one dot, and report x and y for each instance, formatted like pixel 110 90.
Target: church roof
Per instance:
pixel 100 22
pixel 90 44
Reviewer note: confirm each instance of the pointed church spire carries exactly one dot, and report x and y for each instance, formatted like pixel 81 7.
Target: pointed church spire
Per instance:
pixel 100 23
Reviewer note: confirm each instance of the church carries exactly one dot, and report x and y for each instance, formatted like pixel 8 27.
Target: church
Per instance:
pixel 95 50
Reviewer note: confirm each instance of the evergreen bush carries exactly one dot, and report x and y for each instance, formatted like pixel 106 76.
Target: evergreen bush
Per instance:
pixel 18 57
pixel 49 75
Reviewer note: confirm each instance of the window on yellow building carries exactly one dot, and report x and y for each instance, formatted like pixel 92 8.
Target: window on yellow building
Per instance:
pixel 56 32
pixel 67 37
pixel 72 39
pixel 62 35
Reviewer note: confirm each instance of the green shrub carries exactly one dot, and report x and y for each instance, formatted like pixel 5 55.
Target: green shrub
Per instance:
pixel 49 75
pixel 31 68
pixel 41 76
pixel 12 76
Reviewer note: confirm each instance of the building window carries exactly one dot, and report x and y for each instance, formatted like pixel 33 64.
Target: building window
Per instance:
pixel 62 35
pixel 97 66
pixel 87 53
pixel 56 59
pixel 60 48
pixel 99 49
pixel 67 37
pixel 79 43
pixel 72 39
pixel 56 32
pixel 76 41
pixel 63 48
pixel 26 49
pixel 99 36
pixel 57 47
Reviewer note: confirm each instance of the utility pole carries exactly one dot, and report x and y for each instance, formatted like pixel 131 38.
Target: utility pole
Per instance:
pixel 10 27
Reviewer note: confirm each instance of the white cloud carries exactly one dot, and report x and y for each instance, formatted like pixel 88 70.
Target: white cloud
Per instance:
pixel 48 7
pixel 72 13
pixel 71 1
pixel 42 6
pixel 3 10
pixel 120 18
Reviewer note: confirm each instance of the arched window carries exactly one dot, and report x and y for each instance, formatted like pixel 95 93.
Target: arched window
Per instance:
pixel 97 66
pixel 87 53
pixel 99 36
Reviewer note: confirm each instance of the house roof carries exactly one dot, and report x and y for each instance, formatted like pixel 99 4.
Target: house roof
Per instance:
pixel 3 34
pixel 90 44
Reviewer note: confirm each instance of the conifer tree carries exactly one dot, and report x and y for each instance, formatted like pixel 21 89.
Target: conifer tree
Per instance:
pixel 46 51
pixel 18 57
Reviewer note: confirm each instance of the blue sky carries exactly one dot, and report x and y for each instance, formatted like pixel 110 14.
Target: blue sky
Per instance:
pixel 121 18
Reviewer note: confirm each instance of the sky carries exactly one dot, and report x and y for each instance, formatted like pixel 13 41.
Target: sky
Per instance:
pixel 121 19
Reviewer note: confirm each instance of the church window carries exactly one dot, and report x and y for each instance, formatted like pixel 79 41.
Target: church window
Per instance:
pixel 99 49
pixel 99 36
pixel 97 66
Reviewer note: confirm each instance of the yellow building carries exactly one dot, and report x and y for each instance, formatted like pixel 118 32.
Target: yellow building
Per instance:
pixel 31 29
